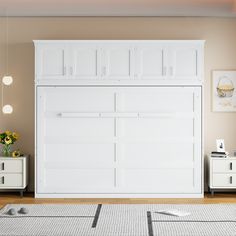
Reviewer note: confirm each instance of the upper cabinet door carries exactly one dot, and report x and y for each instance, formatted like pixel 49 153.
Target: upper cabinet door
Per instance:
pixel 151 61
pixel 84 61
pixel 51 61
pixel 117 61
pixel 185 61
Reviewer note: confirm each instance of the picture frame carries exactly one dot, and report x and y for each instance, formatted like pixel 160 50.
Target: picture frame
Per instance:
pixel 220 145
pixel 224 91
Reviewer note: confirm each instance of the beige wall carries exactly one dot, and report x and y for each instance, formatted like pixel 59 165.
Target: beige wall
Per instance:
pixel 220 53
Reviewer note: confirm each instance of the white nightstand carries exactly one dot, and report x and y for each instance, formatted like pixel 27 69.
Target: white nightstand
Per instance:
pixel 14 173
pixel 222 173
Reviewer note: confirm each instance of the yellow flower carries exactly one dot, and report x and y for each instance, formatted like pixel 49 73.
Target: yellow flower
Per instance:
pixel 8 140
pixel 16 153
pixel 8 133
pixel 15 135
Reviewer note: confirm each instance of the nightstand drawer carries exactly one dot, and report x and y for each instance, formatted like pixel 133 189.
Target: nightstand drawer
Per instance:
pixel 11 166
pixel 224 165
pixel 224 180
pixel 11 180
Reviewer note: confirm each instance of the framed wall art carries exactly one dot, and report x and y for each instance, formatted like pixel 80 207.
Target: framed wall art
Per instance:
pixel 224 91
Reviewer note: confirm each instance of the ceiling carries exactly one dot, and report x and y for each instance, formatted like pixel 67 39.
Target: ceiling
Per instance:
pixel 118 8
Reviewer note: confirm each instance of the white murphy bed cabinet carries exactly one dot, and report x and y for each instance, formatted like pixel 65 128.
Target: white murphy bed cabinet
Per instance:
pixel 119 118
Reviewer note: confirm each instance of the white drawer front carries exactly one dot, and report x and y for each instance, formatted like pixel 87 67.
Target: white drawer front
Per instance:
pixel 224 166
pixel 11 166
pixel 11 180
pixel 224 180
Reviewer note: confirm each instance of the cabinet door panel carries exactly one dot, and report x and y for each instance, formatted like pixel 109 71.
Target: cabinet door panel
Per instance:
pixel 118 62
pixel 85 61
pixel 51 61
pixel 151 61
pixel 162 144
pixel 76 150
pixel 185 61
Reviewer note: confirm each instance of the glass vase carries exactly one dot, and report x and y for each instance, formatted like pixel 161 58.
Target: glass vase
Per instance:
pixel 6 150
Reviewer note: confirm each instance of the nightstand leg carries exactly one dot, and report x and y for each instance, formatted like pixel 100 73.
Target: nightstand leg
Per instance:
pixel 212 192
pixel 21 193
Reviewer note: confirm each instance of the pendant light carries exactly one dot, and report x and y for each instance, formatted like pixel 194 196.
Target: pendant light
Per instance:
pixel 7 79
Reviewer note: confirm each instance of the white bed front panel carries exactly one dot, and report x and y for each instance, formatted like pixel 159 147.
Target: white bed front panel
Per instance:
pixel 118 140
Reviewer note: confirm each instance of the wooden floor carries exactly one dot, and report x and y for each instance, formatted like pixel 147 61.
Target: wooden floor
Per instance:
pixel 14 198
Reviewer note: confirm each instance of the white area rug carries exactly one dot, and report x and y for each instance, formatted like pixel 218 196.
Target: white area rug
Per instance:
pixel 119 220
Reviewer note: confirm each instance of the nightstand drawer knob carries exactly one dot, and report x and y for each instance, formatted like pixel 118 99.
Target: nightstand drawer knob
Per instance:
pixel 231 166
pixel 231 180
pixel 3 166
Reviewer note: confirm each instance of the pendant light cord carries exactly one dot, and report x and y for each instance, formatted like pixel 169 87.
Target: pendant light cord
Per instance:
pixel 7 42
pixel 2 94
pixel 2 85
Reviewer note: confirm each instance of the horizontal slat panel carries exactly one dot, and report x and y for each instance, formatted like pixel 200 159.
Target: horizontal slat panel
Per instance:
pixel 78 99
pixel 155 127
pixel 85 127
pixel 159 180
pixel 78 180
pixel 156 155
pixel 81 154
pixel 162 99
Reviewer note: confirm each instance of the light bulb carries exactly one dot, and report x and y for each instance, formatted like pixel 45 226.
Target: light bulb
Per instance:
pixel 7 109
pixel 7 80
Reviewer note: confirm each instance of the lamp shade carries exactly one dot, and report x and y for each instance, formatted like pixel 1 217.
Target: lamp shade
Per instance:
pixel 7 80
pixel 7 109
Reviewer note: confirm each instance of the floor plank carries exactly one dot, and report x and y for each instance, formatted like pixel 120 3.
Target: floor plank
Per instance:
pixel 14 198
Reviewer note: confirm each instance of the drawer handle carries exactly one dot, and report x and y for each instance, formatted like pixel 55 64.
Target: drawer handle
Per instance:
pixel 231 180
pixel 231 166
pixel 3 166
pixel 3 180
